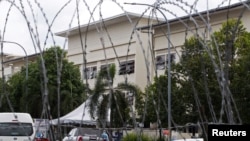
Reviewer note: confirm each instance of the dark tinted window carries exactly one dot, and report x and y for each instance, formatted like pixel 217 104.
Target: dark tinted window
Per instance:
pixel 16 129
pixel 127 67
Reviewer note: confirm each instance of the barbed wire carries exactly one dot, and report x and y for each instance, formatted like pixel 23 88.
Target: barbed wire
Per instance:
pixel 156 10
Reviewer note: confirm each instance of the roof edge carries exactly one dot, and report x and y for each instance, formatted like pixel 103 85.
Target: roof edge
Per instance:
pixel 131 15
pixel 211 11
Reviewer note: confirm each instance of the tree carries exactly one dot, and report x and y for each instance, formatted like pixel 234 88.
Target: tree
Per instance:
pixel 106 101
pixel 72 90
pixel 235 47
pixel 5 98
pixel 199 81
pixel 201 78
pixel 240 82
pixel 158 97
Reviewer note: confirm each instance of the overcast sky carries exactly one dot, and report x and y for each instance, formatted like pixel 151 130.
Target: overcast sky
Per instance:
pixel 16 29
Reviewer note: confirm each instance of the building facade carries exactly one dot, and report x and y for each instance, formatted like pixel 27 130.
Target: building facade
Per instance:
pixel 11 64
pixel 139 46
pixel 112 41
pixel 200 24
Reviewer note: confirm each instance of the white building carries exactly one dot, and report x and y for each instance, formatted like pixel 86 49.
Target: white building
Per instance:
pixel 112 41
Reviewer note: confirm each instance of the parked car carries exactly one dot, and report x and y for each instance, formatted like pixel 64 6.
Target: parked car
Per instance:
pixel 83 134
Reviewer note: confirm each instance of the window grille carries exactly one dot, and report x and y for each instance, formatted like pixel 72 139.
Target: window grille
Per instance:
pixel 127 67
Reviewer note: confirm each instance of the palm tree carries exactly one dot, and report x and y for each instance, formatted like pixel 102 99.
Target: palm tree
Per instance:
pixel 107 101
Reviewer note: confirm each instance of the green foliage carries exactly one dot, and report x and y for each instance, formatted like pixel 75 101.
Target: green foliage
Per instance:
pixel 5 96
pixel 234 46
pixel 230 40
pixel 103 99
pixel 195 87
pixel 134 137
pixel 240 76
pixel 199 82
pixel 63 78
pixel 158 97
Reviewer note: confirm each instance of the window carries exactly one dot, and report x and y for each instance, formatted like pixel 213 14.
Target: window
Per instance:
pixel 162 61
pixel 104 70
pixel 91 72
pixel 127 67
pixel 16 129
pixel 105 67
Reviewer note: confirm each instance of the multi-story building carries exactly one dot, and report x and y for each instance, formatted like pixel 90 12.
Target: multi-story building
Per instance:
pixel 111 41
pixel 200 24
pixel 5 57
pixel 138 46
pixel 11 64
pixel 145 49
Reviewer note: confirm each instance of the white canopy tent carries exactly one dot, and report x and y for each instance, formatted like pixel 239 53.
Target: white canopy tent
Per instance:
pixel 78 116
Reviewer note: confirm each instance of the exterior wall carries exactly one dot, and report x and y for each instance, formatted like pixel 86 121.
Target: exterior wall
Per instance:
pixel 117 47
pixel 137 49
pixel 119 35
pixel 143 58
pixel 179 31
pixel 9 68
pixel 12 64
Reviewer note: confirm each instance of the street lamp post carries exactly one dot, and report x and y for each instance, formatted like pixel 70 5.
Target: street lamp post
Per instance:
pixel 169 65
pixel 26 76
pixel 22 49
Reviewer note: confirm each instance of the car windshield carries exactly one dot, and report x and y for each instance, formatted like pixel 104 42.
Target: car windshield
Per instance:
pixel 16 129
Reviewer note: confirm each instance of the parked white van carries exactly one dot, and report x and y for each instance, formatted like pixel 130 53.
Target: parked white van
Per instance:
pixel 16 127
